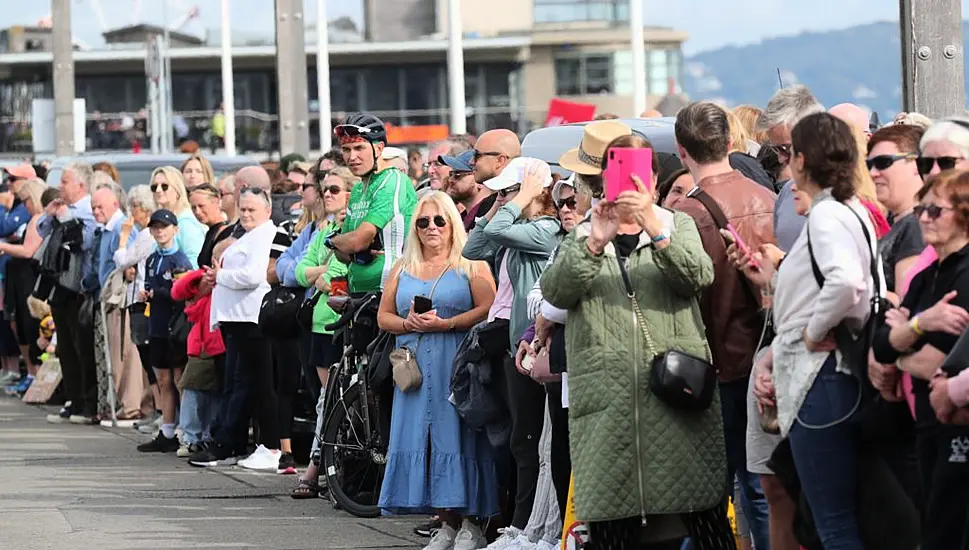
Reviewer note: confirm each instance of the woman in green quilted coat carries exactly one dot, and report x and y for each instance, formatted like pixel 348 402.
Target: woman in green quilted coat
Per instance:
pixel 638 461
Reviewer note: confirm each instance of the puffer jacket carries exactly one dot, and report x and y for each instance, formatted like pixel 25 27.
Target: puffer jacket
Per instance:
pixel 201 339
pixel 733 314
pixel 632 454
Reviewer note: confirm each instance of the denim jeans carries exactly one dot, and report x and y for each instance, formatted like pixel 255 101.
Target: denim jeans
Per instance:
pixel 733 403
pixel 824 440
pixel 198 415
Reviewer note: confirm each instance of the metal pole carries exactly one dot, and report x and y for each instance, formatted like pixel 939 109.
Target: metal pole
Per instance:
pixel 933 82
pixel 228 91
pixel 294 132
pixel 63 77
pixel 166 121
pixel 638 44
pixel 455 68
pixel 153 112
pixel 323 75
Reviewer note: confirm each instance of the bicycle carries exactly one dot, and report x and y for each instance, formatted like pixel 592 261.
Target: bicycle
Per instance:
pixel 353 437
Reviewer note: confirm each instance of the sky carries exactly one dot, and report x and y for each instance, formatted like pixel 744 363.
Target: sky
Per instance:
pixel 711 23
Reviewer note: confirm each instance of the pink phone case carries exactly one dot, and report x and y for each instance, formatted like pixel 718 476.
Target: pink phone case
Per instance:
pixel 740 242
pixel 623 162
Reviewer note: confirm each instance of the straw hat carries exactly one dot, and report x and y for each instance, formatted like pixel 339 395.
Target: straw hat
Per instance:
pixel 586 159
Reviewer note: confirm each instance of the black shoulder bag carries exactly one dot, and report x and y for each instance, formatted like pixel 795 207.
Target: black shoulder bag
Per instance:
pixel 679 380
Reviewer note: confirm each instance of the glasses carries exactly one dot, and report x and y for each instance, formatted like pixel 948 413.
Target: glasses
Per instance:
pixel 884 162
pixel 569 202
pixel 932 210
pixel 155 186
pixel 459 175
pixel 433 164
pixel 478 154
pixel 925 164
pixel 424 222
pixel 349 130
pixel 509 190
pixel 254 191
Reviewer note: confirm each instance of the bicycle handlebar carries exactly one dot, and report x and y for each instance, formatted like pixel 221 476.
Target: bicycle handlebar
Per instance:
pixel 353 305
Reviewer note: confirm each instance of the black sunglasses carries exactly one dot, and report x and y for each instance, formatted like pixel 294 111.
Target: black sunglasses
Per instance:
pixel 333 189
pixel 478 154
pixel 783 148
pixel 932 210
pixel 424 222
pixel 925 164
pixel 884 162
pixel 509 190
pixel 155 186
pixel 458 175
pixel 570 202
pixel 254 191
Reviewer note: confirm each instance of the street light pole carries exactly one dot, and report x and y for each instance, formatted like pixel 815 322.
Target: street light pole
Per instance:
pixel 63 77
pixel 638 45
pixel 455 68
pixel 933 82
pixel 228 89
pixel 323 75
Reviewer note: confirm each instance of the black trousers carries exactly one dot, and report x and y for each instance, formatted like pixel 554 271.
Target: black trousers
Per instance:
pixel 944 468
pixel 561 457
pixel 288 368
pixel 526 403
pixel 310 377
pixel 248 378
pixel 75 349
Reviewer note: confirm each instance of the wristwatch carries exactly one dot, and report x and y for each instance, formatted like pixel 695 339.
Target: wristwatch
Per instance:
pixel 328 242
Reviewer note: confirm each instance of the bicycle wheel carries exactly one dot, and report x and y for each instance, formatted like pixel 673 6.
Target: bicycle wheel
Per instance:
pixel 353 462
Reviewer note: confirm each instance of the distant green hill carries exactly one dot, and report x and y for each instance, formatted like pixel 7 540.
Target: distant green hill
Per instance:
pixel 861 64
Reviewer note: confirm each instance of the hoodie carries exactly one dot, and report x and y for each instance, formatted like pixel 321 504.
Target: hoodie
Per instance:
pixel 201 339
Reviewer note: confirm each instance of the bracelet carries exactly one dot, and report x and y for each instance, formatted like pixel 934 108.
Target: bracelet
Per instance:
pixel 403 325
pixel 450 324
pixel 914 325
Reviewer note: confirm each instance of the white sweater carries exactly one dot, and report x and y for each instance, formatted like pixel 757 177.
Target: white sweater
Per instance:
pixel 241 282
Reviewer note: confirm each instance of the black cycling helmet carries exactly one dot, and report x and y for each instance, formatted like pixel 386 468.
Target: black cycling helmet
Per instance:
pixel 364 125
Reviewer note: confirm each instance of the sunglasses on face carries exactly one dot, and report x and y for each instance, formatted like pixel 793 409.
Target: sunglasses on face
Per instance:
pixel 425 221
pixel 884 162
pixel 333 189
pixel 478 154
pixel 509 190
pixel 459 175
pixel 569 202
pixel 783 149
pixel 155 186
pixel 933 211
pixel 925 164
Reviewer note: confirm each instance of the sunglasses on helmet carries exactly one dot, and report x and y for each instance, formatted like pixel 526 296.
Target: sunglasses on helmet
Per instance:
pixel 350 130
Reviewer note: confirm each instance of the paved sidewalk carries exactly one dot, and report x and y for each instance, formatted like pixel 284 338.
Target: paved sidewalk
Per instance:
pixel 84 487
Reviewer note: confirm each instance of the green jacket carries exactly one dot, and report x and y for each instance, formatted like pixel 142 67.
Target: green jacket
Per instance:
pixel 633 455
pixel 528 244
pixel 316 255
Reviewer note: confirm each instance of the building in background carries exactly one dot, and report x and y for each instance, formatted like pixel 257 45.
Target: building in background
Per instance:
pixel 518 55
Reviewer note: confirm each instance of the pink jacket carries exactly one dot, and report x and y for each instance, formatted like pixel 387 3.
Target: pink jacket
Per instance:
pixel 201 339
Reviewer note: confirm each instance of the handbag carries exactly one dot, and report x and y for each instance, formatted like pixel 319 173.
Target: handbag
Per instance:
pixel 406 372
pixel 277 313
pixel 304 314
pixel 678 379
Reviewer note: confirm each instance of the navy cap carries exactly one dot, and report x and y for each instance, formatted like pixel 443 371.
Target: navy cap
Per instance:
pixel 162 217
pixel 461 163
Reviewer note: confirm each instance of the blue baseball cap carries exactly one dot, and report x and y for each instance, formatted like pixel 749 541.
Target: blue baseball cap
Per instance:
pixel 460 163
pixel 163 217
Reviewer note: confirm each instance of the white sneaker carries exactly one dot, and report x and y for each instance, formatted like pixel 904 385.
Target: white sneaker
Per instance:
pixel 509 540
pixel 262 459
pixel 469 537
pixel 443 539
pixel 546 545
pixel 183 451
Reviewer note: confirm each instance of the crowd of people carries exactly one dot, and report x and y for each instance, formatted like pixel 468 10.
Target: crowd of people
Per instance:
pixel 769 314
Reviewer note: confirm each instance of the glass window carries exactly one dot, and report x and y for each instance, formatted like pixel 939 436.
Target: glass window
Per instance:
pixel 189 92
pixel 598 74
pixel 422 93
pixel 568 76
pixel 561 11
pixel 343 90
pixel 657 71
pixel 382 90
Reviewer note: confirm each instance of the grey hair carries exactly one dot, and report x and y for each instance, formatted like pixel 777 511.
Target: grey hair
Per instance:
pixel 454 147
pixel 140 196
pixel 262 194
pixel 83 172
pixel 955 133
pixel 787 107
pixel 102 180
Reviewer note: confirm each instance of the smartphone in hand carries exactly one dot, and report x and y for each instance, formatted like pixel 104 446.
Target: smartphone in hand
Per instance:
pixel 422 304
pixel 623 163
pixel 739 241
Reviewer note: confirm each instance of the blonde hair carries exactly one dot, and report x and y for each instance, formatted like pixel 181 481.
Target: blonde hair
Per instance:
pixel 738 133
pixel 864 185
pixel 413 255
pixel 748 116
pixel 174 178
pixel 204 163
pixel 33 189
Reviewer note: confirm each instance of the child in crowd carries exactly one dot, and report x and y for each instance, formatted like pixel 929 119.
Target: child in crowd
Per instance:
pixel 161 269
pixel 200 384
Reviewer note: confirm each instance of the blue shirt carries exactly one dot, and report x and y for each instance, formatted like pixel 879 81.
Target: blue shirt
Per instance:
pixel 12 221
pixel 107 239
pixel 286 263
pixel 190 236
pixel 160 270
pixel 787 222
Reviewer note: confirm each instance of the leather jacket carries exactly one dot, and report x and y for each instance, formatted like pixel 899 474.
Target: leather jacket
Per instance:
pixel 732 314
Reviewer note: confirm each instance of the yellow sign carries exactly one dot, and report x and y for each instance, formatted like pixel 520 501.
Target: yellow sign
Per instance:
pixel 574 532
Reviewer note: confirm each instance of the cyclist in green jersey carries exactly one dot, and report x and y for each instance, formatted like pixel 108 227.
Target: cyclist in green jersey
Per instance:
pixel 379 208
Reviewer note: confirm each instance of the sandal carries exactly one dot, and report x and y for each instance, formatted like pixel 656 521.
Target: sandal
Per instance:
pixel 306 489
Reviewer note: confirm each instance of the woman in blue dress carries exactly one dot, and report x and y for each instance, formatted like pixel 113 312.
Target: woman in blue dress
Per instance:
pixel 435 462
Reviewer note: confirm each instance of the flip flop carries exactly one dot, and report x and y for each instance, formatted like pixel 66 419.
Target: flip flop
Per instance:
pixel 306 489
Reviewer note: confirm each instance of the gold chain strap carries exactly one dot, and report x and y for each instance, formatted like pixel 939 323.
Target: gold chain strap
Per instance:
pixel 642 325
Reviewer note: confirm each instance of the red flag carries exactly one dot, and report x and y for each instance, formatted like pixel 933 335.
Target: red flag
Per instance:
pixel 566 112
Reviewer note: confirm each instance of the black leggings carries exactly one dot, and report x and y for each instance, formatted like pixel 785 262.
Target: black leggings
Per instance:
pixel 561 459
pixel 287 367
pixel 249 379
pixel 144 353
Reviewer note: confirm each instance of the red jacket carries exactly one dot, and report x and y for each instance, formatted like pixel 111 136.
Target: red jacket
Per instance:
pixel 200 339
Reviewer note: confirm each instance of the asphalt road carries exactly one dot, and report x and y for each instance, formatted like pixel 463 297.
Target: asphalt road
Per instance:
pixel 81 487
